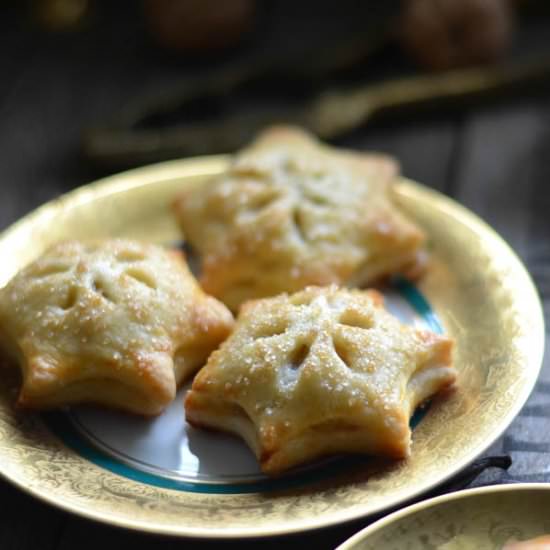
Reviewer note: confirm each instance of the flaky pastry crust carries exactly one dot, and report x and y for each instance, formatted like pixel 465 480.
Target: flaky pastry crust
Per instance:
pixel 116 322
pixel 291 212
pixel 320 372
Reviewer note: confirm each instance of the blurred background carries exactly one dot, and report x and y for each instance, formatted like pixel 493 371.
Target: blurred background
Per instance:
pixel 91 87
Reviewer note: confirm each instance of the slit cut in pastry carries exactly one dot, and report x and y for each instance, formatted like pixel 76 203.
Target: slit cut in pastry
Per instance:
pixel 292 212
pixel 319 372
pixel 116 323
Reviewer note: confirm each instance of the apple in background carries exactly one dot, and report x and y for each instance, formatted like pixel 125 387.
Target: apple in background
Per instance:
pixel 199 25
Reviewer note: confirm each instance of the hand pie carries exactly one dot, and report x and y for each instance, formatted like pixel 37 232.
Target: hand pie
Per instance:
pixel 117 323
pixel 291 212
pixel 320 372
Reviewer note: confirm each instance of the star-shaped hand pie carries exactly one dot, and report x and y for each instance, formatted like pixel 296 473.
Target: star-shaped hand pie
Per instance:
pixel 320 372
pixel 291 212
pixel 116 322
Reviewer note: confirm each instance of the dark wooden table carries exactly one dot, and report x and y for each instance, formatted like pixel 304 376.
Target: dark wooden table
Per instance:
pixel 494 158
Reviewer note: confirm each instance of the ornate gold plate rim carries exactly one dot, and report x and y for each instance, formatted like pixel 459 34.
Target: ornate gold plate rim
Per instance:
pixel 480 290
pixel 375 528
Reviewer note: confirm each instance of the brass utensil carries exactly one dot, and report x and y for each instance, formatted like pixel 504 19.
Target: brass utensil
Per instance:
pixel 210 120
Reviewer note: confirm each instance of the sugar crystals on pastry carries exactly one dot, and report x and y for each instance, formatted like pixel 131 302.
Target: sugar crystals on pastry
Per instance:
pixel 292 212
pixel 115 322
pixel 319 372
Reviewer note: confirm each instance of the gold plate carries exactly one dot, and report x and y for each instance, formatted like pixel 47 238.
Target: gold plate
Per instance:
pixel 479 289
pixel 482 519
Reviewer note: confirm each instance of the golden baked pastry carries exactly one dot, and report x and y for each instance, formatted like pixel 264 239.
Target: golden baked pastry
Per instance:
pixel 320 372
pixel 115 322
pixel 291 212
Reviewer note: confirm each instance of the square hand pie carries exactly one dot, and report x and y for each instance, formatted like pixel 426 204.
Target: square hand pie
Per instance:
pixel 116 322
pixel 291 212
pixel 320 372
